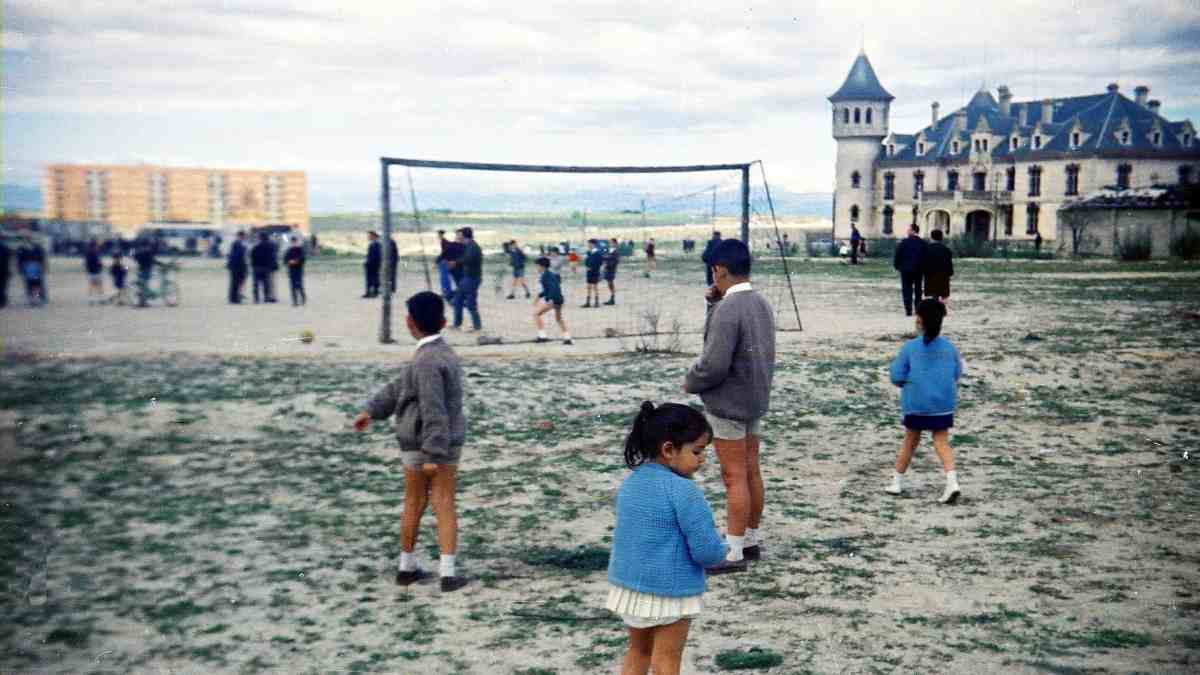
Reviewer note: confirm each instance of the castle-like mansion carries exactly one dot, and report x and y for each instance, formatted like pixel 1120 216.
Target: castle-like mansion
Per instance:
pixel 996 169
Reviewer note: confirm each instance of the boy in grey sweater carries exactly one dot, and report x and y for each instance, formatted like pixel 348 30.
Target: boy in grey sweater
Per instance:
pixel 427 402
pixel 733 378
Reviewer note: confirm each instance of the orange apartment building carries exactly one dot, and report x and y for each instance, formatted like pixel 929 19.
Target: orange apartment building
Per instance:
pixel 129 197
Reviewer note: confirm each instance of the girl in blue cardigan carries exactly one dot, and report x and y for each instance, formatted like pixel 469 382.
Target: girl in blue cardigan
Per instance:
pixel 927 371
pixel 664 538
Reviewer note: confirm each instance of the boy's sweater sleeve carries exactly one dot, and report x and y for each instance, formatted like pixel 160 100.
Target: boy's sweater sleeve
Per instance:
pixel 384 402
pixel 720 342
pixel 696 521
pixel 435 419
pixel 900 367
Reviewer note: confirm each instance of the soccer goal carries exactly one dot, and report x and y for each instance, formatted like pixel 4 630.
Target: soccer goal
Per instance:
pixel 659 297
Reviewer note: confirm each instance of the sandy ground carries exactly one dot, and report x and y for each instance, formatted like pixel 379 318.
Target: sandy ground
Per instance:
pixel 176 502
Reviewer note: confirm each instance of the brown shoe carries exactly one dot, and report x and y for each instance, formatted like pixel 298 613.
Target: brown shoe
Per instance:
pixel 409 578
pixel 451 584
pixel 752 552
pixel 727 567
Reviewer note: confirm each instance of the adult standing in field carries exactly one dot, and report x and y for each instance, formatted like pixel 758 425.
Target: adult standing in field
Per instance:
pixel 371 265
pixel 263 262
pixel 443 267
pixel 651 261
pixel 612 258
pixel 294 259
pixel 144 257
pixel 5 256
pixel 95 271
pixel 907 262
pixel 733 378
pixel 937 266
pixel 706 256
pixel 1037 245
pixel 855 243
pixel 467 295
pixel 236 264
pixel 394 256
pixel 516 258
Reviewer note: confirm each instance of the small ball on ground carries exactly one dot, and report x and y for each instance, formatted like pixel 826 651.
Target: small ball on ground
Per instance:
pixel 306 336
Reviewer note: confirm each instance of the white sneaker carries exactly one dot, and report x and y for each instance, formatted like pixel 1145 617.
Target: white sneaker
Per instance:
pixel 951 493
pixel 895 488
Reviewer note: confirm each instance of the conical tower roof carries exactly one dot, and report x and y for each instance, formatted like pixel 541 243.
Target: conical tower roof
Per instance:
pixel 861 84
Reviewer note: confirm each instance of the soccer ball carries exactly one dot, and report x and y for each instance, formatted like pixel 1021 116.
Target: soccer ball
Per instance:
pixel 306 336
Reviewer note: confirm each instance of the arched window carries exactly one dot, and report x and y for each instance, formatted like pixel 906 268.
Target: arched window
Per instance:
pixel 854 213
pixel 920 149
pixel 891 149
pixel 857 115
pixel 918 184
pixel 955 147
pixel 1035 181
pixel 1072 180
pixel 855 180
pixel 1010 179
pixel 868 115
pixel 1031 219
pixel 1124 138
pixel 1123 174
pixel 1037 142
pixel 952 180
pixel 889 185
pixel 845 116
pixel 1013 143
pixel 888 216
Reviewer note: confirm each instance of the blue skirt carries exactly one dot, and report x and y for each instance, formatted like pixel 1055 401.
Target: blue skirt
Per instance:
pixel 928 422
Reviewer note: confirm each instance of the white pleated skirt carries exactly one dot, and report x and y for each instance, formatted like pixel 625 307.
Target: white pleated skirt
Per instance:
pixel 644 610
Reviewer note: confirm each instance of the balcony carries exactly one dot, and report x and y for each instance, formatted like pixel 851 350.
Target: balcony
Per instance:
pixel 998 197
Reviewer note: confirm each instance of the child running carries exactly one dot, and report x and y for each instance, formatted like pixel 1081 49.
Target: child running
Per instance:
pixel 550 298
pixel 427 401
pixel 664 539
pixel 516 258
pixel 927 370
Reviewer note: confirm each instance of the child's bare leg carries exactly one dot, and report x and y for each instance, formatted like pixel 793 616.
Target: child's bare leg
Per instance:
pixel 537 316
pixel 669 641
pixel 641 649
pixel 941 445
pixel 732 456
pixel 909 446
pixel 754 476
pixel 445 481
pixel 562 325
pixel 416 497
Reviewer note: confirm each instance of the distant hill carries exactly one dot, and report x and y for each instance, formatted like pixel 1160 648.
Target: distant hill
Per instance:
pixel 20 198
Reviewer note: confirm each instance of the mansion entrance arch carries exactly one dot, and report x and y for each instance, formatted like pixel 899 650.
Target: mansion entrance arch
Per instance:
pixel 979 225
pixel 937 219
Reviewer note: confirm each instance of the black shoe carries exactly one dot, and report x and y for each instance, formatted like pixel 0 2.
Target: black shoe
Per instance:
pixel 568 342
pixel 409 578
pixel 752 552
pixel 585 305
pixel 451 584
pixel 612 301
pixel 510 297
pixel 541 340
pixel 728 567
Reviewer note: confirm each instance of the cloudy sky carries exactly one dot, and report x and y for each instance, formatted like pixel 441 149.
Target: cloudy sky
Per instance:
pixel 329 86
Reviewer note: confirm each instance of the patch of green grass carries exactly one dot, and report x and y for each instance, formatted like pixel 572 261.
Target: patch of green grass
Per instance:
pixel 754 658
pixel 1116 638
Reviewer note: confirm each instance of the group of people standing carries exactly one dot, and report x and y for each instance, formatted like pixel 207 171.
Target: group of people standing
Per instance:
pixel 262 260
pixel 31 265
pixel 925 268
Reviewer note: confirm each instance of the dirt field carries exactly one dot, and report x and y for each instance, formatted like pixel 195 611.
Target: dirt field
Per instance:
pixel 182 492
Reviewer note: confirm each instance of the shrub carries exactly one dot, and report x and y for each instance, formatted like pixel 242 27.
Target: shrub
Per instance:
pixel 1187 245
pixel 1135 246
pixel 969 246
pixel 882 248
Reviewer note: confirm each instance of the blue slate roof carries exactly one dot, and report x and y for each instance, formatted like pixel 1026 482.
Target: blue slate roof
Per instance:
pixel 1098 117
pixel 861 84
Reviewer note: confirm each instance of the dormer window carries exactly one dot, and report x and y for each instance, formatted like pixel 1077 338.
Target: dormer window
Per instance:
pixel 891 149
pixel 1124 138
pixel 1156 138
pixel 1037 142
pixel 1013 143
pixel 1075 140
pixel 956 147
pixel 1187 140
pixel 920 149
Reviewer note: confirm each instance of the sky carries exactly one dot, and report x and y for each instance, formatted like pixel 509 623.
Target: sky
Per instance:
pixel 330 86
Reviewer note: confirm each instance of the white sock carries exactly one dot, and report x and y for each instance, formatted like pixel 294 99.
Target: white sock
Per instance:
pixel 897 477
pixel 752 536
pixel 542 334
pixel 447 564
pixel 951 478
pixel 736 544
pixel 408 561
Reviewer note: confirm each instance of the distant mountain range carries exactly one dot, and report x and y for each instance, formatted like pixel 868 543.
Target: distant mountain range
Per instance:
pixel 353 198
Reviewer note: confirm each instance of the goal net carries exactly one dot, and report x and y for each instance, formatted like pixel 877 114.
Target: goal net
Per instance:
pixel 548 208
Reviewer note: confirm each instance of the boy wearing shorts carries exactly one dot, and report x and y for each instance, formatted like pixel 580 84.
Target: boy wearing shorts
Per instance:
pixel 733 378
pixel 593 262
pixel 550 298
pixel 427 402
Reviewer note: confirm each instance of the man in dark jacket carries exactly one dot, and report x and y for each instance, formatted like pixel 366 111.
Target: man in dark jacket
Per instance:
pixel 294 259
pixel 144 257
pixel 937 266
pixel 372 265
pixel 706 256
pixel 236 264
pixel 263 262
pixel 855 243
pixel 907 261
pixel 5 255
pixel 467 295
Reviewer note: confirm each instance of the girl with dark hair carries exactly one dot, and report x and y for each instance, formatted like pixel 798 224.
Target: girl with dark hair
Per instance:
pixel 664 538
pixel 927 370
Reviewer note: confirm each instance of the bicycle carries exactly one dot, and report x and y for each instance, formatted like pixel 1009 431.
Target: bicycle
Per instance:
pixel 168 289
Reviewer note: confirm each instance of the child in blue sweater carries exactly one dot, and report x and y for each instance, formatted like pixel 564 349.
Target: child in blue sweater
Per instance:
pixel 665 536
pixel 927 371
